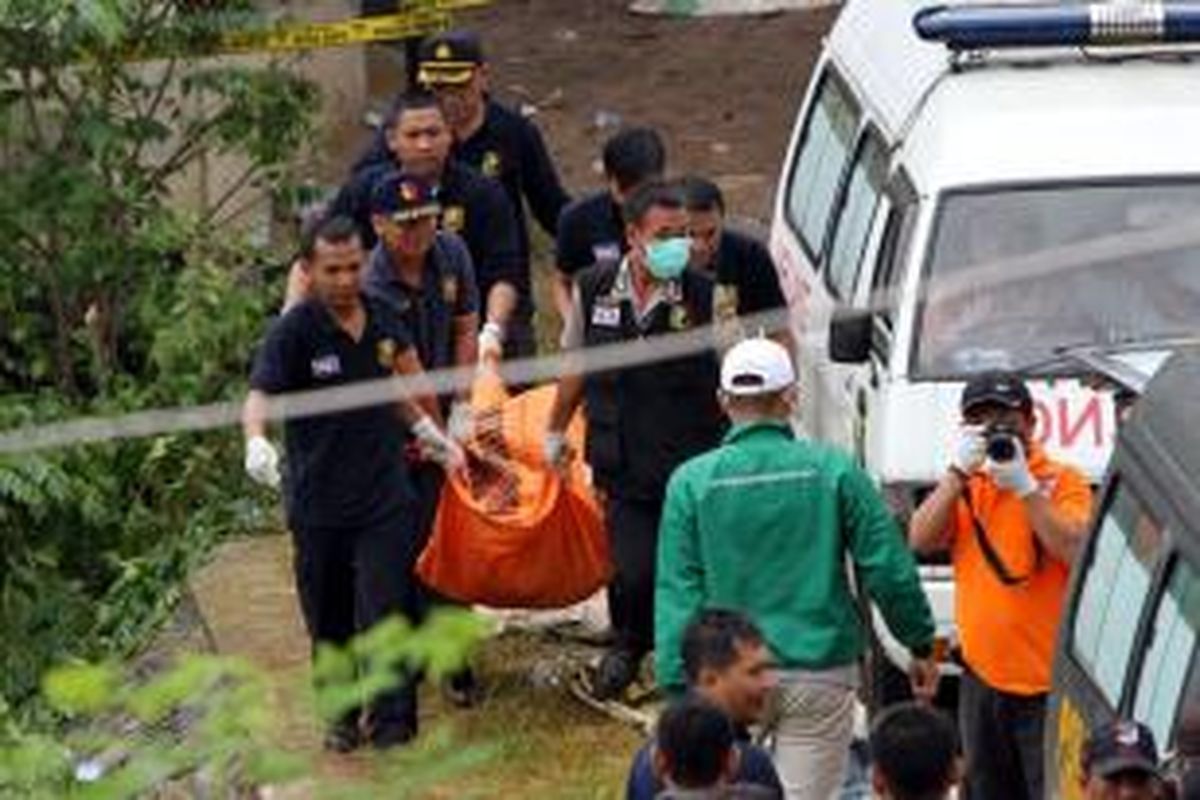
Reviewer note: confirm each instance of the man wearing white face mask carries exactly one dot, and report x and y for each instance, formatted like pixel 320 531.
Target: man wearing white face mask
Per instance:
pixel 643 421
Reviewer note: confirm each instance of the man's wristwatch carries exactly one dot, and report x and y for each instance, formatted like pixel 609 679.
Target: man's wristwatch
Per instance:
pixel 922 652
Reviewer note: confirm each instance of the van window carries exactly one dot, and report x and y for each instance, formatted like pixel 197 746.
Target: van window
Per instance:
pixel 825 147
pixel 1169 659
pixel 1115 590
pixel 856 215
pixel 893 254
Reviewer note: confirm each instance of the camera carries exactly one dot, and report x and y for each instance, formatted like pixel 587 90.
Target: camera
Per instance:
pixel 1001 442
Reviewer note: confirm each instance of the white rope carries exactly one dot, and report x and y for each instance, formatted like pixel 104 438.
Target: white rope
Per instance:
pixel 995 274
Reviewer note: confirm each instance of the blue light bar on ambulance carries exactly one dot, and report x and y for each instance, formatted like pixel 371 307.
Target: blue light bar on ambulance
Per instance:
pixel 1075 25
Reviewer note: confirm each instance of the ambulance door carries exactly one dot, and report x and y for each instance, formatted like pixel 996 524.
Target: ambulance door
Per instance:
pixel 898 215
pixel 811 188
pixel 855 235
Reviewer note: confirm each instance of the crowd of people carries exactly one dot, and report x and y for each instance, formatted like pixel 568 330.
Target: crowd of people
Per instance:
pixel 742 554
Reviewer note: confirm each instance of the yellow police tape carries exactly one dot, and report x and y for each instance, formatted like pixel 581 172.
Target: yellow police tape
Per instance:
pixel 415 18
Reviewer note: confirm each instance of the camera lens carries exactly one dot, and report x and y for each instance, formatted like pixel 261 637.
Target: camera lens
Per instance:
pixel 1001 447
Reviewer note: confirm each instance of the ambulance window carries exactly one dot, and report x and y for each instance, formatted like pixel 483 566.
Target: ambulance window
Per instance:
pixel 825 147
pixel 856 216
pixel 1115 589
pixel 1169 659
pixel 885 282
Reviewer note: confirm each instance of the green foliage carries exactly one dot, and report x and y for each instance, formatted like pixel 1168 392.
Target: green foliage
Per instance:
pixel 210 721
pixel 114 296
pixel 93 145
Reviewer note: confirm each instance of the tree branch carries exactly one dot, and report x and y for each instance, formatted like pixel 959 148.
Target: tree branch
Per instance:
pixel 215 209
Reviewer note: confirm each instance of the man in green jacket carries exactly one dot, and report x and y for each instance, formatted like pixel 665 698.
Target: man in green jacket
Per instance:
pixel 764 524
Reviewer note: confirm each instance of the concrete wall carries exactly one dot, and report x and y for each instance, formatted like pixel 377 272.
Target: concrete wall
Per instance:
pixel 341 74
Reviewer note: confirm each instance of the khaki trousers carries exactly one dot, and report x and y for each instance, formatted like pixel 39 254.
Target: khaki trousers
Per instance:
pixel 811 727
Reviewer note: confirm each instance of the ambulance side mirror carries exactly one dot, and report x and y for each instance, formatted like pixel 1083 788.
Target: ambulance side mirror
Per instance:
pixel 850 336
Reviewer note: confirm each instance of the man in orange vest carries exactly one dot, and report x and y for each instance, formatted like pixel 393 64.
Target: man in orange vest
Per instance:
pixel 1013 520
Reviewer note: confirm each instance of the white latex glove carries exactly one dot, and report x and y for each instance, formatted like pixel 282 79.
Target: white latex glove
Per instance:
pixel 554 449
pixel 971 450
pixel 461 425
pixel 437 446
pixel 491 341
pixel 262 462
pixel 1014 474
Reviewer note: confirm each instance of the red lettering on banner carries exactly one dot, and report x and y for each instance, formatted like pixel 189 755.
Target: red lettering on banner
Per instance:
pixel 1091 414
pixel 1043 422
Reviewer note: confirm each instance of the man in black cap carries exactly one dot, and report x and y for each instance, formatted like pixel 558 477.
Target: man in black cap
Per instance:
pixel 591 230
pixel 473 206
pixel 426 276
pixel 1120 762
pixel 494 139
pixel 488 136
pixel 1013 520
pixel 491 138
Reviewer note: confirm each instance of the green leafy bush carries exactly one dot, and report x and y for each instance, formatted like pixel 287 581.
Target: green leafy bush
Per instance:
pixel 210 722
pixel 114 298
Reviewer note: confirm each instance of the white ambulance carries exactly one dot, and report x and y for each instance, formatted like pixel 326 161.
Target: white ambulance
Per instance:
pixel 1020 189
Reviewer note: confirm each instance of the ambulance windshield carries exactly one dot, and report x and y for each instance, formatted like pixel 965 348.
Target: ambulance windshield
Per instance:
pixel 1018 272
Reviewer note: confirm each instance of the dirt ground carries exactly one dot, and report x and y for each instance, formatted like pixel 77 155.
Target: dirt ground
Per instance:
pixel 722 90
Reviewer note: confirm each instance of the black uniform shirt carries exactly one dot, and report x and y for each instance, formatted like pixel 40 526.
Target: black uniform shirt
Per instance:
pixel 447 291
pixel 744 264
pixel 508 148
pixel 344 469
pixel 474 207
pixel 590 231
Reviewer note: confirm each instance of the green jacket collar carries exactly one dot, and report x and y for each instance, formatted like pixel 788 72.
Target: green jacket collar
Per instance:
pixel 753 430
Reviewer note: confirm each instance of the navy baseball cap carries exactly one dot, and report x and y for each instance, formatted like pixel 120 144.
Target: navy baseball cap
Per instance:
pixel 1120 746
pixel 996 389
pixel 403 198
pixel 449 58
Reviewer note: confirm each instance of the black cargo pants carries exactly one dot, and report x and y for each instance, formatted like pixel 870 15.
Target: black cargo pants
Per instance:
pixel 349 579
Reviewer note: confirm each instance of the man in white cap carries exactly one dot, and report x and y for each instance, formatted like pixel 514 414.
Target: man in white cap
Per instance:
pixel 764 524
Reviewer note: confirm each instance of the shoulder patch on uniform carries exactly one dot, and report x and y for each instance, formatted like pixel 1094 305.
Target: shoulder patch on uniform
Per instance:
pixel 725 301
pixel 490 166
pixel 453 218
pixel 326 366
pixel 606 315
pixel 606 252
pixel 385 351
pixel 450 290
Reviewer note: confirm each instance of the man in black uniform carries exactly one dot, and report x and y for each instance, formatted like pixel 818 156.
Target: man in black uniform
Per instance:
pixel 643 421
pixel 591 230
pixel 488 135
pixel 494 139
pixel 426 276
pixel 747 282
pixel 473 206
pixel 349 500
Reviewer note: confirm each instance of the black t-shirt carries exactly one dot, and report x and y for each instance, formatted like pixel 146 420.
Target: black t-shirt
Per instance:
pixel 744 263
pixel 345 469
pixel 509 148
pixel 590 231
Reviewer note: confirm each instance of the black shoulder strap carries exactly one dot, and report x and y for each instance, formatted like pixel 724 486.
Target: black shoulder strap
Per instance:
pixel 1003 574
